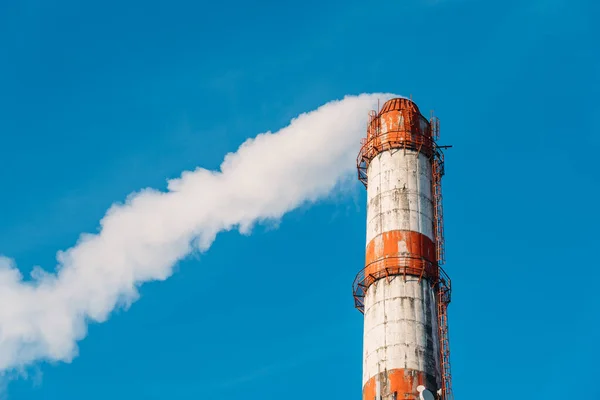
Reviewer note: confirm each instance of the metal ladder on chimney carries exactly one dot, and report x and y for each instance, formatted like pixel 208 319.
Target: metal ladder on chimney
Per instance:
pixel 443 285
pixel 443 294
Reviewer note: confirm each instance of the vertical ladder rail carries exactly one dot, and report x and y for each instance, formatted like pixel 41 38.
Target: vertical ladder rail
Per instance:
pixel 443 285
pixel 444 337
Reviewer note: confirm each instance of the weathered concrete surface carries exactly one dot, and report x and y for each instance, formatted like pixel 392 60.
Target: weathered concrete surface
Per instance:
pixel 399 193
pixel 400 326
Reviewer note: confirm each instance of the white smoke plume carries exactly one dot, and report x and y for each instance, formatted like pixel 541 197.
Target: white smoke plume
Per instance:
pixel 42 319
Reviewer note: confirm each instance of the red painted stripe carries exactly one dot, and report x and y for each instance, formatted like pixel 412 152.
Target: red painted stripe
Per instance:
pixel 400 124
pixel 397 249
pixel 403 382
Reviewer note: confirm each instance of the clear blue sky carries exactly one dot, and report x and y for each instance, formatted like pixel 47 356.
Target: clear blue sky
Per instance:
pixel 98 99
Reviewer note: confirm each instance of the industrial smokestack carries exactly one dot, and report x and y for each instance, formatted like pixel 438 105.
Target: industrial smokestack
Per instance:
pixel 402 291
pixel 142 239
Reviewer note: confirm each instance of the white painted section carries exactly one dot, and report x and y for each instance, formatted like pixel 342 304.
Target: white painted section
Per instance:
pixel 399 193
pixel 400 327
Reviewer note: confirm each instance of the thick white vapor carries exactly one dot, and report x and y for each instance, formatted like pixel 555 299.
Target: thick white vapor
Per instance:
pixel 142 239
